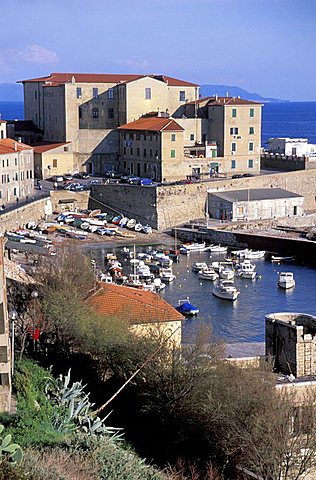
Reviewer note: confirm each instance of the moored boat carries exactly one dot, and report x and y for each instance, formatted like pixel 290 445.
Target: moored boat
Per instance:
pixel 217 249
pixel 286 280
pixel 167 275
pixel 208 274
pixel 192 247
pixel 131 223
pixel 226 290
pixel 197 266
pixel 246 270
pixel 186 308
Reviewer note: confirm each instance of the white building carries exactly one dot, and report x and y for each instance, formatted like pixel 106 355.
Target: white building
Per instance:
pixel 298 147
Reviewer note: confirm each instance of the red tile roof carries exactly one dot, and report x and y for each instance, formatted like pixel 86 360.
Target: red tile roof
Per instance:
pixel 55 79
pixel 213 101
pixel 3 121
pixel 44 147
pixel 154 124
pixel 133 304
pixel 8 145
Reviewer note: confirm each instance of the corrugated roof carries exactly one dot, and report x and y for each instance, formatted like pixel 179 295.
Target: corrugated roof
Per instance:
pixel 137 306
pixel 56 78
pixel 8 145
pixel 231 101
pixel 44 147
pixel 255 194
pixel 155 124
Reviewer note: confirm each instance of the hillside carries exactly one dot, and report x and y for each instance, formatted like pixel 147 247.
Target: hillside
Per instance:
pixel 232 91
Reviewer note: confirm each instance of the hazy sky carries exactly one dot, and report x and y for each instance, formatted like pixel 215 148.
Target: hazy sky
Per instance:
pixel 264 46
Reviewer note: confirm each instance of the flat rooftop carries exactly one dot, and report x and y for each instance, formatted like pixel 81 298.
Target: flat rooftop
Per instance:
pixel 255 194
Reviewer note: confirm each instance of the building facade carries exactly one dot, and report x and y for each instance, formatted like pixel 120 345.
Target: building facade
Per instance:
pixel 86 109
pixel 53 159
pixel 296 147
pixel 16 170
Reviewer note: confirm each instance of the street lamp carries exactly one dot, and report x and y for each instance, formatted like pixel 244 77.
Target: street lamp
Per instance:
pixel 13 315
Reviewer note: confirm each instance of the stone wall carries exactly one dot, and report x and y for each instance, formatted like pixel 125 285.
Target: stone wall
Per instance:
pixel 81 200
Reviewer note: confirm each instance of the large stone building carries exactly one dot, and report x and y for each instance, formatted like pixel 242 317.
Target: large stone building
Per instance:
pixel 16 169
pixel 86 109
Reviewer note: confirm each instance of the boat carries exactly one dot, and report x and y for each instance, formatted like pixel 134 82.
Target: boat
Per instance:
pixel 116 220
pixel 159 285
pixel 131 223
pixel 138 227
pixel 134 281
pixel 277 259
pixel 197 266
pixel 254 254
pixel 286 280
pixel 239 253
pixel 217 249
pixel 147 229
pixel 95 212
pixel 246 270
pixel 226 273
pixel 126 252
pixel 123 222
pixel 186 308
pixel 208 274
pixel 192 247
pixel 167 275
pixel 163 259
pixel 226 290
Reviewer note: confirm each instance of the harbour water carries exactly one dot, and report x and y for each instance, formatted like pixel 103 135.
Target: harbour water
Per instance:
pixel 243 320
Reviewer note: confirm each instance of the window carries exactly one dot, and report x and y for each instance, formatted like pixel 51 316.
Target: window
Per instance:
pixel 233 164
pixel 138 151
pixel 95 113
pixel 80 112
pixel 15 191
pixel 95 92
pixel 124 165
pixel 2 134
pixel 234 112
pixel 16 176
pixel 27 174
pixel 132 151
pixel 252 112
pixel 54 162
pixel 110 93
pixel 7 162
pixel 145 152
pixel 3 163
pixel 234 147
pixel 151 152
pixel 156 154
pixel 234 130
pixel 250 146
pixel 172 153
pixel 131 136
pixel 137 136
pixel 251 130
pixel 147 93
pixel 110 112
pixel 145 167
pixel 250 163
pixel 66 149
pixel 35 95
pixel 124 150
pixel 240 210
pixel 191 137
pixel 173 137
pixel 78 92
pixel 132 168
pixel 145 136
pixel 182 96
pixel 151 137
pixel 31 174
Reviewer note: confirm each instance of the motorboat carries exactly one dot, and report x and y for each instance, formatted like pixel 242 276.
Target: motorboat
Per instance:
pixel 131 223
pixel 144 271
pixel 159 285
pixel 226 290
pixel 239 253
pixel 163 259
pixel 123 222
pixel 226 272
pixel 254 254
pixel 286 280
pixel 208 274
pixel 217 265
pixel 186 308
pixel 197 266
pixel 217 249
pixel 126 253
pixel 134 281
pixel 147 229
pixel 276 259
pixel 138 227
pixel 246 269
pixel 144 256
pixel 167 275
pixel 186 248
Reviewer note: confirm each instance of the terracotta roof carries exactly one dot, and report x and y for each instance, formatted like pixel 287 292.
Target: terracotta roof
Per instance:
pixel 8 145
pixel 55 79
pixel 154 124
pixel 134 304
pixel 213 101
pixel 44 147
pixel 3 121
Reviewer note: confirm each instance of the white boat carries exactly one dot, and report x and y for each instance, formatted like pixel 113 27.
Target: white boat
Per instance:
pixel 144 271
pixel 226 272
pixel 286 280
pixel 277 259
pixel 147 229
pixel 159 285
pixel 226 290
pixel 138 227
pixel 123 222
pixel 131 223
pixel 197 266
pixel 246 269
pixel 192 247
pixel 163 259
pixel 240 253
pixel 144 256
pixel 217 249
pixel 208 274
pixel 254 254
pixel 217 265
pixel 167 275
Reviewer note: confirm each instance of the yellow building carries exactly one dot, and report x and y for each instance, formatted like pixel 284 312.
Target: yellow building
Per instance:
pixel 53 159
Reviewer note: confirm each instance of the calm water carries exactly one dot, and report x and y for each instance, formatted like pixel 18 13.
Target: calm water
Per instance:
pixel 289 119
pixel 244 319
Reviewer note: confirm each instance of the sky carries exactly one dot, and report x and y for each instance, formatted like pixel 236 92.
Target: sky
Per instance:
pixel 263 46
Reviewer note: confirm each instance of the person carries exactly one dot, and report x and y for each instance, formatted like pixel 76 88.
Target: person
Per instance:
pixel 40 186
pixel 17 200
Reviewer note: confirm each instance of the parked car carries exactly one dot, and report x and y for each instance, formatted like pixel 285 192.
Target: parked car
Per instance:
pixel 237 175
pixel 95 182
pixel 145 182
pixel 67 177
pixel 71 185
pixel 81 175
pixel 76 188
pixel 112 174
pixel 57 178
pixel 248 175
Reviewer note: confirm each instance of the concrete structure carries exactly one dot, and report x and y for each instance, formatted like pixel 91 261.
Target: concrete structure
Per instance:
pixel 5 348
pixel 16 169
pixel 291 341
pixel 145 312
pixel 53 159
pixel 86 109
pixel 297 147
pixel 254 204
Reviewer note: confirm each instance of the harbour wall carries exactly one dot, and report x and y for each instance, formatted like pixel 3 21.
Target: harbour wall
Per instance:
pixel 168 205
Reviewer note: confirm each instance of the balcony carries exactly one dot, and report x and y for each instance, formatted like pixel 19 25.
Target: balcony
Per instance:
pixel 201 150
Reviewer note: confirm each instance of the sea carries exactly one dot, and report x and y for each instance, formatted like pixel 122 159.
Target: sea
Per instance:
pixel 280 119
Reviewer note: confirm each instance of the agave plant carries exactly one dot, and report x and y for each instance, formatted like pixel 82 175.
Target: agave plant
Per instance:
pixel 11 452
pixel 73 409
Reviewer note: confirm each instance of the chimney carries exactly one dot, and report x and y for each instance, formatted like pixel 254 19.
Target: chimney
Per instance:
pixel 15 146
